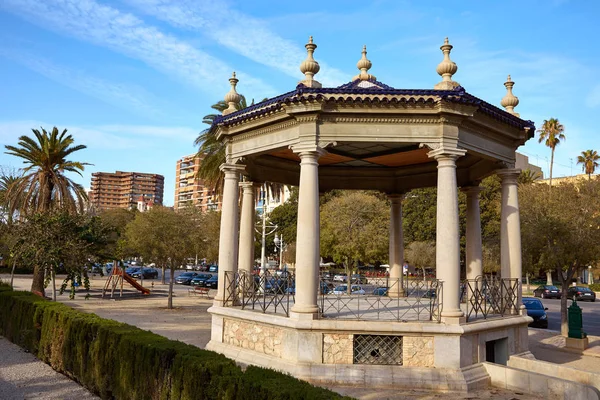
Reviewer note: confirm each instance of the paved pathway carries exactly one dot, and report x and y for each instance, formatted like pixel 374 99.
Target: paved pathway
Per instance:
pixel 23 376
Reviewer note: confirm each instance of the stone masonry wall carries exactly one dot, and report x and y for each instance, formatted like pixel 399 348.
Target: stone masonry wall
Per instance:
pixel 261 338
pixel 337 348
pixel 417 351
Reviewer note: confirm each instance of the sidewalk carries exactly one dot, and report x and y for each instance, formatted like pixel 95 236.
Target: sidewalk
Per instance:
pixel 551 346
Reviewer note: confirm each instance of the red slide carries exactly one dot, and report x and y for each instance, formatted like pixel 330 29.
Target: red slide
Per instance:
pixel 134 283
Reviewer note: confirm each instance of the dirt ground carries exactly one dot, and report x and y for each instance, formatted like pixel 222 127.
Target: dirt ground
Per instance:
pixel 190 323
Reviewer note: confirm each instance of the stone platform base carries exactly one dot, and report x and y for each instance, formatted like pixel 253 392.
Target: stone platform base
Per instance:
pixel 577 344
pixel 466 379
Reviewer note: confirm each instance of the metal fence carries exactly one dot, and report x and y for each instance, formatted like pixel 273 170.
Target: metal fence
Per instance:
pixel 381 299
pixel 488 295
pixel 268 292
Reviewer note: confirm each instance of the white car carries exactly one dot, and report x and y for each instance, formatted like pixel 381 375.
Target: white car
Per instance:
pixel 343 289
pixel 340 278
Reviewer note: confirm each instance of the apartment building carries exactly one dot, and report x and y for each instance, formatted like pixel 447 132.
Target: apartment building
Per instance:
pixel 126 190
pixel 189 189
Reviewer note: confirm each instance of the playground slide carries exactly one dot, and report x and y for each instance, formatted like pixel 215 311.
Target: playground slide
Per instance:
pixel 134 283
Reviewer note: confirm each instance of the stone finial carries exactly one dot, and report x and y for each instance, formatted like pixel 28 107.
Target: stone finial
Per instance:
pixel 510 101
pixel 364 65
pixel 310 67
pixel 232 97
pixel 446 69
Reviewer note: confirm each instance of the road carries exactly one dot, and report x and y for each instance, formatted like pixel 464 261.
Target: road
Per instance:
pixel 591 315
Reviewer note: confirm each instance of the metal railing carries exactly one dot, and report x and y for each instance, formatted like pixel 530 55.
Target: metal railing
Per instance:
pixel 382 299
pixel 488 295
pixel 267 293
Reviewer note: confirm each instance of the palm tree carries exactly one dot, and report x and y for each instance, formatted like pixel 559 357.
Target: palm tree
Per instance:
pixel 44 186
pixel 588 159
pixel 552 133
pixel 528 176
pixel 7 200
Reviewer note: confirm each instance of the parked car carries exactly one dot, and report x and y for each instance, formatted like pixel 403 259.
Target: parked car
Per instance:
pixel 131 270
pixel 343 289
pixel 340 278
pixel 429 294
pixel 186 278
pixel 380 291
pixel 199 279
pixel 212 282
pixel 213 268
pixel 536 310
pixel 356 278
pixel 547 292
pixel 149 273
pixel 580 293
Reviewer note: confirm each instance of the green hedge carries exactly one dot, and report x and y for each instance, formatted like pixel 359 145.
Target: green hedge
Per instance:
pixel 120 361
pixel 595 287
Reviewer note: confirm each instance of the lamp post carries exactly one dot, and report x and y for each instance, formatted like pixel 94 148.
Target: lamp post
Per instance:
pixel 266 230
pixel 279 244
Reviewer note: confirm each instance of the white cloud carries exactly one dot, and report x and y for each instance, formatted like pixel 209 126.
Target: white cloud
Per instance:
pixel 125 33
pixel 130 97
pixel 241 33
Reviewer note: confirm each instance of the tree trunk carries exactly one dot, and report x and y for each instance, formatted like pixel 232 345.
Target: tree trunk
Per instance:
pixel 172 278
pixel 37 284
pixel 53 284
pixel 564 322
pixel 12 274
pixel 162 276
pixel 348 278
pixel 551 165
pixel 549 278
pixel 527 279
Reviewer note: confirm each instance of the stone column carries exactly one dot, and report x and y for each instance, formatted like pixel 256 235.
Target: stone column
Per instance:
pixel 447 253
pixel 510 228
pixel 474 253
pixel 246 251
pixel 228 238
pixel 396 247
pixel 307 236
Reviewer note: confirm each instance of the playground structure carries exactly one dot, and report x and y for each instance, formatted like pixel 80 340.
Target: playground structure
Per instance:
pixel 115 279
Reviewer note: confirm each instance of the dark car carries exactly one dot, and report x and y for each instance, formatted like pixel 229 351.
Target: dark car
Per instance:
pixel 580 293
pixel 149 273
pixel 186 278
pixel 131 270
pixel 536 310
pixel 200 279
pixel 213 268
pixel 430 294
pixel 212 282
pixel 547 292
pixel 380 291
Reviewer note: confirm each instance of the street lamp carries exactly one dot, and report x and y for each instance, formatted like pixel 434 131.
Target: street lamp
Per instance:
pixel 267 229
pixel 279 244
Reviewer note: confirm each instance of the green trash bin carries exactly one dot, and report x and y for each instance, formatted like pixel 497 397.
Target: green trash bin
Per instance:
pixel 575 321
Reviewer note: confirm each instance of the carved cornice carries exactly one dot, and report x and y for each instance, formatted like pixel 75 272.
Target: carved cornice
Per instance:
pixel 264 131
pixel 380 120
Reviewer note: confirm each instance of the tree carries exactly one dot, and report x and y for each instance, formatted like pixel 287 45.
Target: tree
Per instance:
pixel 44 185
pixel 8 179
pixel 163 236
pixel 589 160
pixel 421 255
pixel 528 176
pixel 285 217
pixel 355 227
pixel 551 133
pixel 560 231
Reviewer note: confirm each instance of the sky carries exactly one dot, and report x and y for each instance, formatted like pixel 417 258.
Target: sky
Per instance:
pixel 132 79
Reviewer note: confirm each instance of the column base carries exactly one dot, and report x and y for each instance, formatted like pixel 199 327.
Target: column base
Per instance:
pixel 300 312
pixel 454 320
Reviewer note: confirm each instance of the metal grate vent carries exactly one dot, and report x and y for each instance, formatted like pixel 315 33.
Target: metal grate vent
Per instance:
pixel 377 349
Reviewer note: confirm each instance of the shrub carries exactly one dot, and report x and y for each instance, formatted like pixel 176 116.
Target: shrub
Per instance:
pixel 116 360
pixel 595 287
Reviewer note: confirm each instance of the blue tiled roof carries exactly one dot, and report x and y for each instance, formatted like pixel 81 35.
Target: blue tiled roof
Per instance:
pixel 389 95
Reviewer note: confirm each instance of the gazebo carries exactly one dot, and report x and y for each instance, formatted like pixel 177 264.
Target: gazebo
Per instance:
pixel 365 135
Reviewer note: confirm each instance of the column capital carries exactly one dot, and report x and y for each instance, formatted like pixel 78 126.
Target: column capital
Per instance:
pixel 308 150
pixel 445 153
pixel 509 175
pixel 471 190
pixel 228 168
pixel 395 197
pixel 247 186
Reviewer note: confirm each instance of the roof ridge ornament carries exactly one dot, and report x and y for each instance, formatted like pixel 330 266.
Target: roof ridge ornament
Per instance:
pixel 364 64
pixel 446 69
pixel 310 67
pixel 510 101
pixel 232 97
